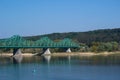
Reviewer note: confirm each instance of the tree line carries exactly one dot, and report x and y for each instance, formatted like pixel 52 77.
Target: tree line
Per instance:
pixel 96 41
pixel 103 35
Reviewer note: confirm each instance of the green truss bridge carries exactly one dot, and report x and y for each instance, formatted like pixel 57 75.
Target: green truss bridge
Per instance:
pixel 16 42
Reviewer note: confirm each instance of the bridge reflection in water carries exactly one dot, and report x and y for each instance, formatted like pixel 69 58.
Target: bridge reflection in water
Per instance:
pixel 61 68
pixel 42 59
pixel 55 60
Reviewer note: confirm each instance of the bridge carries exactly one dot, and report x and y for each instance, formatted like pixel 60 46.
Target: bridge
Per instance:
pixel 16 42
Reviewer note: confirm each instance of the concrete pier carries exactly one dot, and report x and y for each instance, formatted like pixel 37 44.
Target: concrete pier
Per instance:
pixel 16 51
pixel 17 55
pixel 68 50
pixel 46 51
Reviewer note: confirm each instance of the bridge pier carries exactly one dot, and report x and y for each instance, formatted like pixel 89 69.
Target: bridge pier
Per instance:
pixel 46 51
pixel 68 50
pixel 17 55
pixel 16 52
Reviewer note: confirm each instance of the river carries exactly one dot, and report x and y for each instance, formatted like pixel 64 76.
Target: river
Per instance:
pixel 60 68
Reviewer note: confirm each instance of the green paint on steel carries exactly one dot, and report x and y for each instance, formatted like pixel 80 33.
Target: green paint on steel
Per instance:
pixel 18 42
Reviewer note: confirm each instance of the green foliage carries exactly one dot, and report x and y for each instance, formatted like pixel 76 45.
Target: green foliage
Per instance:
pixel 105 35
pixel 102 46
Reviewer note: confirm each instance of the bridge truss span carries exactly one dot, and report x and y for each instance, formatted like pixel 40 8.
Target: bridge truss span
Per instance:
pixel 16 42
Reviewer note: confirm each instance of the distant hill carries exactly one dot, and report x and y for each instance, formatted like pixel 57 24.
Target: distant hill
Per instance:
pixel 102 35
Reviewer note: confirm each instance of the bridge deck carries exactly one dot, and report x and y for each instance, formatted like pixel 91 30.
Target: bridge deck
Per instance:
pixel 38 47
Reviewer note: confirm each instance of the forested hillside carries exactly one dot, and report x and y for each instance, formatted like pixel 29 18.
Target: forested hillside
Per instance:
pixel 103 35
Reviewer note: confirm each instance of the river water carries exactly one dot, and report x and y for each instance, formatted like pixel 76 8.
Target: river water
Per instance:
pixel 60 68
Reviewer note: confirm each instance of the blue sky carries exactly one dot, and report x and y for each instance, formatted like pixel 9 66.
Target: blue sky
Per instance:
pixel 36 17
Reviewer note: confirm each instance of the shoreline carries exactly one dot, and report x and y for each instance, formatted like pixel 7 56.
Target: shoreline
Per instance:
pixel 11 54
pixel 87 54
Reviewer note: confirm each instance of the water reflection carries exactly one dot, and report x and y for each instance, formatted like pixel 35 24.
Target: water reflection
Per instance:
pixel 47 58
pixel 17 60
pixel 60 68
pixel 54 60
pixel 69 59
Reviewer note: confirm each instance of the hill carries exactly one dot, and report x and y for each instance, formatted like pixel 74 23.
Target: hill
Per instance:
pixel 102 35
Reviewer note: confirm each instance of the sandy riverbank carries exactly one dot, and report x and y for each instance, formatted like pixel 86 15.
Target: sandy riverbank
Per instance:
pixel 84 54
pixel 67 54
pixel 11 54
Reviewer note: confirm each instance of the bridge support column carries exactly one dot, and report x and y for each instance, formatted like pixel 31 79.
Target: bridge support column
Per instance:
pixel 17 55
pixel 68 50
pixel 16 51
pixel 46 51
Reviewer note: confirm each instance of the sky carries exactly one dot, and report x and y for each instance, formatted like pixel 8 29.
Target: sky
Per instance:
pixel 37 17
